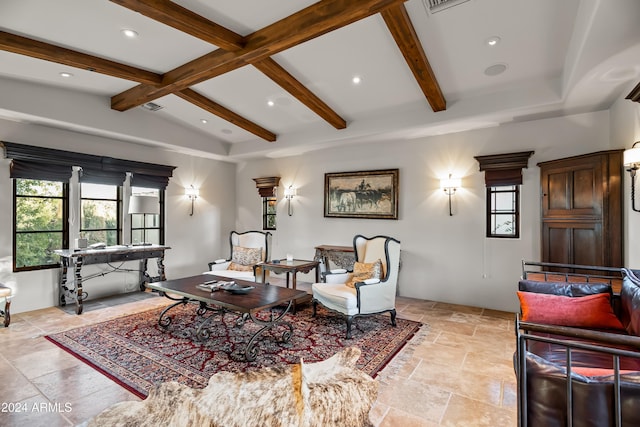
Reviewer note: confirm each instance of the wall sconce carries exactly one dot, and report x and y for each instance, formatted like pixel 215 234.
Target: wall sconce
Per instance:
pixel 450 185
pixel 192 193
pixel 289 193
pixel 632 162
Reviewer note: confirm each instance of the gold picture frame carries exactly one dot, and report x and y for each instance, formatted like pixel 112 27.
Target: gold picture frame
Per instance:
pixel 363 194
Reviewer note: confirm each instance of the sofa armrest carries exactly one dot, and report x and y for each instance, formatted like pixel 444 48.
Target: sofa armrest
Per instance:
pixel 606 338
pixel 367 282
pixel 219 264
pixel 337 277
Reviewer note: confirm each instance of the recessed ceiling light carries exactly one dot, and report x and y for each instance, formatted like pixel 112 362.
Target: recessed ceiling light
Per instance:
pixel 129 33
pixel 492 41
pixel 356 80
pixel 495 69
pixel 66 75
pixel 204 121
pixel 270 103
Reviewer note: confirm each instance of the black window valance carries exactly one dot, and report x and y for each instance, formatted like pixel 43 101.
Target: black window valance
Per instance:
pixel 149 181
pixel 34 170
pixel 102 177
pixel 45 163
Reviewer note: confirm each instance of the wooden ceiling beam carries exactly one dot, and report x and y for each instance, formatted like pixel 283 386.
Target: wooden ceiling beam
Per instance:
pixel 170 14
pixel 279 75
pixel 214 108
pixel 48 52
pixel 313 21
pixel 180 18
pixel 403 32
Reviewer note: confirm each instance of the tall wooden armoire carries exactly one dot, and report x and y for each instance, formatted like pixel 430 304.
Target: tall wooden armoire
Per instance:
pixel 582 199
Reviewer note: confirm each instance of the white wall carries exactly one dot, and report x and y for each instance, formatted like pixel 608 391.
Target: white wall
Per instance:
pixel 444 258
pixel 625 130
pixel 195 240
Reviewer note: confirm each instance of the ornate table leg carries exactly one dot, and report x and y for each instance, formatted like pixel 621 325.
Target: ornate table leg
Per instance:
pixel 163 321
pixel 144 275
pixel 250 352
pixel 78 279
pixel 160 262
pixel 63 280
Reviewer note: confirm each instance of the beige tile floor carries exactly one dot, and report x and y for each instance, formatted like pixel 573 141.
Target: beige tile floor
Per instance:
pixel 457 372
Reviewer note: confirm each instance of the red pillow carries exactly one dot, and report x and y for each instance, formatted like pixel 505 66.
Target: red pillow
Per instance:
pixel 592 311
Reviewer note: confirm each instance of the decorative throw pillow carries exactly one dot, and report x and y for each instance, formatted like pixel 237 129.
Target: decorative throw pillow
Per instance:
pixel 568 289
pixel 243 259
pixel 363 271
pixel 592 311
pixel 239 267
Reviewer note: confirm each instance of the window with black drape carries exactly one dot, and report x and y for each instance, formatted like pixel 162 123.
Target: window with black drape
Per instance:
pixel 41 199
pixel 41 206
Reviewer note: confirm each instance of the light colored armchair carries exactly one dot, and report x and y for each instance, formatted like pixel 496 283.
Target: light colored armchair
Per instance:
pixel 248 249
pixel 370 288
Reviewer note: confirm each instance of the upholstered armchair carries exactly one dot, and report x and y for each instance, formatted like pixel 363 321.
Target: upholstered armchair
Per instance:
pixel 247 250
pixel 370 288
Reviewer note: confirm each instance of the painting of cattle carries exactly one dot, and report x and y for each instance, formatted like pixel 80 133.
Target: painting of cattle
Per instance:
pixel 364 194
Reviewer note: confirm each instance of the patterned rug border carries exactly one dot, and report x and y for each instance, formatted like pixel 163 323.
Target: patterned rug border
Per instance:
pixel 403 345
pixel 403 355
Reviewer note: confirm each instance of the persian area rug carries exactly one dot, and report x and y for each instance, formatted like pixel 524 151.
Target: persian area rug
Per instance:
pixel 137 353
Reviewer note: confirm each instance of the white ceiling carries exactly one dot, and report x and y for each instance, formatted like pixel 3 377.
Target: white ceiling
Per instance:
pixel 561 57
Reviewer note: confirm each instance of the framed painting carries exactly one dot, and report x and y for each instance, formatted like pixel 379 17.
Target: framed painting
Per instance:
pixel 364 194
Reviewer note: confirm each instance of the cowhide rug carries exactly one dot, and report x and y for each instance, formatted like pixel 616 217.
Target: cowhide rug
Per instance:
pixel 328 393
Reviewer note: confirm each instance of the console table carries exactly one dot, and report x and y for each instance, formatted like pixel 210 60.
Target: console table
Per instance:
pixel 75 259
pixel 341 256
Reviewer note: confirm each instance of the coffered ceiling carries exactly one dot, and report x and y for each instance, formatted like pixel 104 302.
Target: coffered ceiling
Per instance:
pixel 241 79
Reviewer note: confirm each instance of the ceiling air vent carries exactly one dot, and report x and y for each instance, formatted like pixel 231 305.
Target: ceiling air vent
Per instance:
pixel 439 5
pixel 152 106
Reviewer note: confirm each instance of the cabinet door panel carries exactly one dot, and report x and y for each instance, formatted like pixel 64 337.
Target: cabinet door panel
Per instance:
pixel 558 191
pixel 582 209
pixel 573 189
pixel 585 193
pixel 573 243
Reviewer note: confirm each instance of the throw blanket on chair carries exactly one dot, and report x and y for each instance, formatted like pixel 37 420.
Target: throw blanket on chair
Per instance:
pixel 328 393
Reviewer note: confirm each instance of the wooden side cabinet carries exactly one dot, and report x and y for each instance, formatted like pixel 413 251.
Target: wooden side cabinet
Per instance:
pixel 581 207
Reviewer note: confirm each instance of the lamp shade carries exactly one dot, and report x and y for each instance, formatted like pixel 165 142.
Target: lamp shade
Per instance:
pixel 191 192
pixel 144 205
pixel 290 191
pixel 450 183
pixel 631 156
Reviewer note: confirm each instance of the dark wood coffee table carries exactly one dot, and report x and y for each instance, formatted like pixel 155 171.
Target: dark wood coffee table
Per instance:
pixel 262 297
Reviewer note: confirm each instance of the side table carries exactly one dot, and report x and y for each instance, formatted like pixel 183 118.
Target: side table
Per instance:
pixel 291 268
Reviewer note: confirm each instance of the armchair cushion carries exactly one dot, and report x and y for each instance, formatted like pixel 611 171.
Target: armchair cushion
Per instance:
pixel 336 296
pixel 340 278
pixel 239 267
pixel 243 259
pixel 363 271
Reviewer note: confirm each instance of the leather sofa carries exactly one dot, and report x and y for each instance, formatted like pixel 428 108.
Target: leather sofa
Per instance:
pixel 602 359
